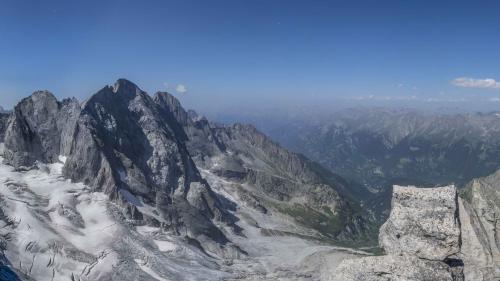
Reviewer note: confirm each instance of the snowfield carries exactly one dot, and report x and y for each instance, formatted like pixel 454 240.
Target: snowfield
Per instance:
pixel 59 230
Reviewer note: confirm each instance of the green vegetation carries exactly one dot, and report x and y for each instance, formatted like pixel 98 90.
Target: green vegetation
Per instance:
pixel 327 225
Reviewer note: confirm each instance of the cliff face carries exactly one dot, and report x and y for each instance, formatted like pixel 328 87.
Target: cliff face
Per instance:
pixel 421 239
pixel 4 117
pixel 481 227
pixel 39 129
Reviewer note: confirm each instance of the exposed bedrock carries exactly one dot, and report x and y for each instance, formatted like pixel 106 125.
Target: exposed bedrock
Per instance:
pixel 122 143
pixel 421 239
pixel 39 129
pixel 423 223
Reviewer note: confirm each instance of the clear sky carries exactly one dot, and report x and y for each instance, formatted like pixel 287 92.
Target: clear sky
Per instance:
pixel 231 53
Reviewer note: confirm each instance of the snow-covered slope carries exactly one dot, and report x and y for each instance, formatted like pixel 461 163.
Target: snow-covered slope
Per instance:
pixel 57 230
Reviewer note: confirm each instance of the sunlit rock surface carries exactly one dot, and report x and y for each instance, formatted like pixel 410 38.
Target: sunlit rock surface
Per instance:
pixel 421 239
pixel 423 222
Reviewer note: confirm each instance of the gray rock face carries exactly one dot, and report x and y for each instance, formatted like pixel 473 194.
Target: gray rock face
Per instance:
pixel 423 222
pixel 387 268
pixel 243 154
pixel 421 238
pixel 127 146
pixel 480 213
pixel 4 117
pixel 39 129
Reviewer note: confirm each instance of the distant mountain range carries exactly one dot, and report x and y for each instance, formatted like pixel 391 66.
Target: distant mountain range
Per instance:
pixel 131 186
pixel 379 147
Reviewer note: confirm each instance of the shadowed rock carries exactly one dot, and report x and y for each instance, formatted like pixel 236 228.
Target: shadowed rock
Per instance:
pixel 39 129
pixel 124 143
pixel 4 117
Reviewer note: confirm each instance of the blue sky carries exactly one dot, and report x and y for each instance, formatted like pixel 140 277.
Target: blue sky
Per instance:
pixel 220 54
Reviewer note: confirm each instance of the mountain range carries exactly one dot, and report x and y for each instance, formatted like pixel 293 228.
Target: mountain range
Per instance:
pixel 162 186
pixel 131 186
pixel 380 147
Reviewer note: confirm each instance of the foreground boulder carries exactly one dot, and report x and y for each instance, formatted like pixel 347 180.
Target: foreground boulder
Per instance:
pixel 421 239
pixel 423 223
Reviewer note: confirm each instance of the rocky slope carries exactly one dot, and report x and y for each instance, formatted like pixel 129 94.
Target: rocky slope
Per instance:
pixel 4 117
pixel 280 180
pixel 127 184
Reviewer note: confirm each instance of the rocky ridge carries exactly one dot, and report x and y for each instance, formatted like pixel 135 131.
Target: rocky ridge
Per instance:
pixel 281 180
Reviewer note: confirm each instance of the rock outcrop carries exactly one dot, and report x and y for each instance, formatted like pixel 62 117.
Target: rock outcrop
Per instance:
pixel 423 223
pixel 480 216
pixel 421 239
pixel 39 129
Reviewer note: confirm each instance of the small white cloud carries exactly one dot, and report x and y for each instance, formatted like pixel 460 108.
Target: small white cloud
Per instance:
pixel 165 84
pixel 181 89
pixel 467 82
pixel 495 99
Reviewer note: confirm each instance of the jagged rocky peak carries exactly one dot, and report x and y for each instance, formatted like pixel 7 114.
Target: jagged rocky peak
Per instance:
pixel 128 146
pixel 121 142
pixel 170 103
pixel 421 239
pixel 39 128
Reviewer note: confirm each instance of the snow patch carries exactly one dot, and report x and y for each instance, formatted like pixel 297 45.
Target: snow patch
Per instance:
pixel 165 246
pixel 149 271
